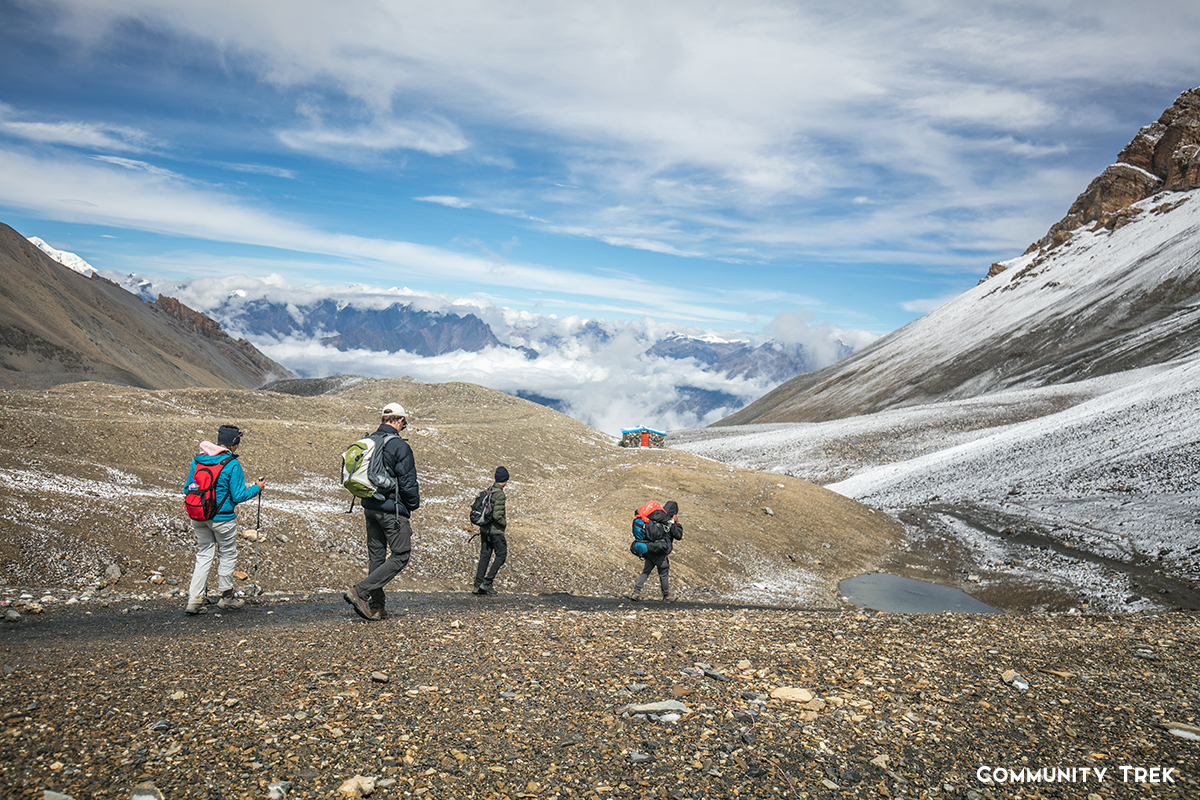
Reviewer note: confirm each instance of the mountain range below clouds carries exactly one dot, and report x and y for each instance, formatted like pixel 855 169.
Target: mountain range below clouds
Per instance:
pixel 608 374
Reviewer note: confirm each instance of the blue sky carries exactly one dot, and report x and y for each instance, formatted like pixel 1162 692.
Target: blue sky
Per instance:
pixel 708 164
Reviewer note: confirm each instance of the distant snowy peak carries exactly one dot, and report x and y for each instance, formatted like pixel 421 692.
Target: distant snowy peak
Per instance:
pixel 69 260
pixel 706 338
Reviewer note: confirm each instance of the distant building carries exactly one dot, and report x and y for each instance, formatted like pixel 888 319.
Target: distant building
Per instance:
pixel 643 437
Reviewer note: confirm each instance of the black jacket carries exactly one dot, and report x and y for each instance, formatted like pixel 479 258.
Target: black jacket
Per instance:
pixel 674 532
pixel 398 461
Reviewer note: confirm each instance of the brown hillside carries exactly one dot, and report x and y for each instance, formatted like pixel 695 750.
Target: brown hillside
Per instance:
pixel 58 326
pixel 92 474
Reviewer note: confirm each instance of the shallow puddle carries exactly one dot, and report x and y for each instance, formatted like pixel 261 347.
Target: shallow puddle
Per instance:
pixel 880 591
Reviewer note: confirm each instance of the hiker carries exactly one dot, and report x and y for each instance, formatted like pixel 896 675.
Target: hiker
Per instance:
pixel 491 537
pixel 218 532
pixel 388 525
pixel 668 518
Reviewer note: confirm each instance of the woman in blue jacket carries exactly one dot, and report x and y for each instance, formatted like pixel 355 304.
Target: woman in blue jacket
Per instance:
pixel 219 534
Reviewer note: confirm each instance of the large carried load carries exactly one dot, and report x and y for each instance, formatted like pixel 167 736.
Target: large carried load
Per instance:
pixel 651 534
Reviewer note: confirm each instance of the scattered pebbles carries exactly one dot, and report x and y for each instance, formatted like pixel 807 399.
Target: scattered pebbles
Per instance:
pixel 530 697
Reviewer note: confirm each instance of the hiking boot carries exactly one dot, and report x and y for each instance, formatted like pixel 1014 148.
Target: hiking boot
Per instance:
pixel 669 598
pixel 229 601
pixel 358 604
pixel 486 588
pixel 634 596
pixel 379 612
pixel 478 590
pixel 194 608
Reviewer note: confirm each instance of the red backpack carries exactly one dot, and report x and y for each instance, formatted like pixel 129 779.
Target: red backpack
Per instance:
pixel 200 501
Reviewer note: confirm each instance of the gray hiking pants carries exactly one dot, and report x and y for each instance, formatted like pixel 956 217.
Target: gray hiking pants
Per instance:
pixel 663 563
pixel 213 538
pixel 385 532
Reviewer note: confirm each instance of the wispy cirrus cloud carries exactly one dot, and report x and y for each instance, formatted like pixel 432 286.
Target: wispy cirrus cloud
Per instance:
pixel 139 166
pixel 436 137
pixel 260 169
pixel 132 194
pixel 73 133
pixel 445 200
pixel 937 135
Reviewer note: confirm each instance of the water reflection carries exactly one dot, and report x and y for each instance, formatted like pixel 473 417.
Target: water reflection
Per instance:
pixel 880 591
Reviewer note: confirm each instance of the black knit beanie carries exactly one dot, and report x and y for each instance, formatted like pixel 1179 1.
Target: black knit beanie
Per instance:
pixel 229 436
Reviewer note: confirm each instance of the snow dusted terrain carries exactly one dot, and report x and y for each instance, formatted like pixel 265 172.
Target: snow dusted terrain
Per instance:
pixel 69 260
pixel 1077 475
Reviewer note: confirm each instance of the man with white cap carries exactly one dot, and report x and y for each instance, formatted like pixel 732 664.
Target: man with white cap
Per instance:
pixel 388 525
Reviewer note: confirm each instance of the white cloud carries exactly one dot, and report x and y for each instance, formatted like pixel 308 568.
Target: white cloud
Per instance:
pixel 445 200
pixel 605 385
pixel 747 132
pixel 925 305
pixel 260 169
pixel 676 108
pixel 148 198
pixel 436 137
pixel 140 166
pixel 92 135
pixel 597 368
pixel 821 339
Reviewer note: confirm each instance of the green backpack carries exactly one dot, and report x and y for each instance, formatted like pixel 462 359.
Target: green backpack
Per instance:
pixel 363 474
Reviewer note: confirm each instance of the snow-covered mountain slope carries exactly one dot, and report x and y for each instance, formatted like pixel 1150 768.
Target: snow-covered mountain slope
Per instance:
pixel 1101 302
pixel 63 257
pixel 1112 286
pixel 1042 428
pixel 1081 494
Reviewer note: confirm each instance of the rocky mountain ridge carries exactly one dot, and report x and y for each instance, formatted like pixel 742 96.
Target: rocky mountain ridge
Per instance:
pixel 1111 287
pixel 1163 157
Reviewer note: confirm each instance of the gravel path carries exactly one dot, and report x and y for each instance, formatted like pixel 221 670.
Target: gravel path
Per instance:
pixel 524 696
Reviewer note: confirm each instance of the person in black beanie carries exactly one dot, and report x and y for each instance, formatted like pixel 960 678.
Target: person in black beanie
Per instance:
pixel 491 538
pixel 217 536
pixel 670 515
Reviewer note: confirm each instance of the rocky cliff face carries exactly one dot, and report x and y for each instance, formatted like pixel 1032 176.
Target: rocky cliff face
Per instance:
pixel 245 356
pixel 1164 156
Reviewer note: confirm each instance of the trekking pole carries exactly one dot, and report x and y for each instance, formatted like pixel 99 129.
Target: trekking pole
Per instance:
pixel 258 530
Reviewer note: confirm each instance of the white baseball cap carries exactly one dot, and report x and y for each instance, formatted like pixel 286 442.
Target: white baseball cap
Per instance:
pixel 394 410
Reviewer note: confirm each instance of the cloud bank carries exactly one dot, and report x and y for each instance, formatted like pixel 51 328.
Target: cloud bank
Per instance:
pixel 597 371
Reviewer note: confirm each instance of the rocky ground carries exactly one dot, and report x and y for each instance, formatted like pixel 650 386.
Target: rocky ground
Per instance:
pixel 561 696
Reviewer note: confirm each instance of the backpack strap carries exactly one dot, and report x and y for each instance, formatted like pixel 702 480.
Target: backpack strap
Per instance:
pixel 387 437
pixel 224 461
